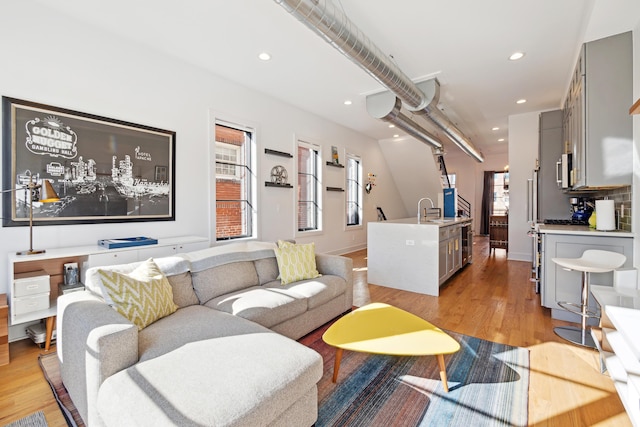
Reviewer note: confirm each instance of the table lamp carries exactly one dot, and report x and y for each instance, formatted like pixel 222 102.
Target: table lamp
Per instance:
pixel 47 195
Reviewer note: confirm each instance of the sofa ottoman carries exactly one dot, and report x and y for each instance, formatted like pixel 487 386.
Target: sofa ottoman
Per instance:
pixel 163 391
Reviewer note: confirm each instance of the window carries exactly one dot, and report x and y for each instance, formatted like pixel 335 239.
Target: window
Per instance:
pixel 227 157
pixel 500 193
pixel 449 181
pixel 308 187
pixel 234 149
pixel 354 190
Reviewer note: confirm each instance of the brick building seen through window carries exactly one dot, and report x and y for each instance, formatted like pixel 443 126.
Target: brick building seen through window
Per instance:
pixel 233 183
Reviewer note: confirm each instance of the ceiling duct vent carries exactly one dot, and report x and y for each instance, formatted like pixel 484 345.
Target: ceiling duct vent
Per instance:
pixel 333 25
pixel 386 106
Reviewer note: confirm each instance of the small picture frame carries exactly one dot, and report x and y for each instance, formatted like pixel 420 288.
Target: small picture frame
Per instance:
pixel 71 274
pixel 335 159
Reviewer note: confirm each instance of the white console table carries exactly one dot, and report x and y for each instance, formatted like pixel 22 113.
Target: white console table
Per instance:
pixel 53 260
pixel 620 310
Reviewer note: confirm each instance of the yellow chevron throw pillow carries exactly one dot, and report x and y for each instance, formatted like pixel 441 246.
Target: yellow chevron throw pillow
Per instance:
pixel 142 296
pixel 296 262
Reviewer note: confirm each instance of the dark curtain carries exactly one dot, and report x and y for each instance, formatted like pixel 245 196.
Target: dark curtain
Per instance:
pixel 487 202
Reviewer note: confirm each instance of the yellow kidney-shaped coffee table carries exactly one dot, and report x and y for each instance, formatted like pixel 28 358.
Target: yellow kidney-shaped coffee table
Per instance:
pixel 384 329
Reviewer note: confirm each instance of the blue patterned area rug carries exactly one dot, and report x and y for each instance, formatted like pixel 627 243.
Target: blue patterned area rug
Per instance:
pixel 488 386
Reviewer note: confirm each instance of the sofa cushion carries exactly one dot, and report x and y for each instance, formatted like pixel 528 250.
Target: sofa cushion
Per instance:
pixel 241 380
pixel 267 269
pixel 268 307
pixel 142 296
pixel 183 293
pixel 296 262
pixel 191 324
pixel 221 280
pixel 171 266
pixel 316 291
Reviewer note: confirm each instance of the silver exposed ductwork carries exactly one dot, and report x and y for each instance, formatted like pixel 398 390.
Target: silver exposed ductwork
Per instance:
pixel 333 25
pixel 386 106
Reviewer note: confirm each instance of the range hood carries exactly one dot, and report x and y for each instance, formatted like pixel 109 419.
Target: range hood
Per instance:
pixel 330 23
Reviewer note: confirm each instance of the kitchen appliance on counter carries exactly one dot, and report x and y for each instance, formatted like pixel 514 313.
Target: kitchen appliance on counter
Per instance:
pixel 581 208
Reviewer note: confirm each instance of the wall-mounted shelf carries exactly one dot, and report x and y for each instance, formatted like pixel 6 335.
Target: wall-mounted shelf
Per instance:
pixel 335 165
pixel 273 184
pixel 335 189
pixel 277 153
pixel 635 108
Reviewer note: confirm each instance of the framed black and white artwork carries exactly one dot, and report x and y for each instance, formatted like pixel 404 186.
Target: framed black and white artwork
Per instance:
pixel 103 170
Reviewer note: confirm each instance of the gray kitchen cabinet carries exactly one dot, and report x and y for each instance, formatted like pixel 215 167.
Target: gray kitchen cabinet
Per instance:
pixel 559 284
pixel 443 256
pixel 596 122
pixel 552 202
pixel 449 252
pixel 456 243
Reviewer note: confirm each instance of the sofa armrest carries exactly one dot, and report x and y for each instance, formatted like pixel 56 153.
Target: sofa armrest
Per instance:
pixel 338 266
pixel 93 343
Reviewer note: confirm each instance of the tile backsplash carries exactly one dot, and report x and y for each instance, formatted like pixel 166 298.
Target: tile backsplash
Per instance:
pixel 622 198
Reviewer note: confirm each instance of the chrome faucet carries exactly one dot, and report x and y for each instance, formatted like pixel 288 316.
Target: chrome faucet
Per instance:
pixel 419 202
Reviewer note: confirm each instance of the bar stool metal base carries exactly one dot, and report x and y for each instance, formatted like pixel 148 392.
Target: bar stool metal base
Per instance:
pixel 575 335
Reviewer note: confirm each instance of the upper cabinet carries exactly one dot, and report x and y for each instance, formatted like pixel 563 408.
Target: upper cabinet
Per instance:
pixel 552 201
pixel 597 128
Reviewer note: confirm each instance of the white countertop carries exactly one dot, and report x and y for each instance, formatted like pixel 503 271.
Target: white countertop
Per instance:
pixel 583 230
pixel 619 297
pixel 440 222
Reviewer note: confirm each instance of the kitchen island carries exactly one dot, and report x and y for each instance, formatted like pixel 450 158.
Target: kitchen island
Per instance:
pixel 417 256
pixel 570 241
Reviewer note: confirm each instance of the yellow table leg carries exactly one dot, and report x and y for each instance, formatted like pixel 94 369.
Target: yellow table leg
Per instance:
pixel 336 364
pixel 49 323
pixel 443 372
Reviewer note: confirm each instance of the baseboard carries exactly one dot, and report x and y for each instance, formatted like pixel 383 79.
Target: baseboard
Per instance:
pixel 348 249
pixel 519 256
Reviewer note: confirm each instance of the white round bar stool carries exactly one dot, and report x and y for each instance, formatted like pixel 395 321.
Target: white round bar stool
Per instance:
pixel 591 261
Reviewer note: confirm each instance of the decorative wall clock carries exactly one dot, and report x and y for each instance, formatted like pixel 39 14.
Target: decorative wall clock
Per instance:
pixel 279 175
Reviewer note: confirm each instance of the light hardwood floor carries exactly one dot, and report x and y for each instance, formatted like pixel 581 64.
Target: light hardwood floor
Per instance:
pixel 491 299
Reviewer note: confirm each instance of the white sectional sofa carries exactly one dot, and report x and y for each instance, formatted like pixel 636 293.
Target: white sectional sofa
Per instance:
pixel 225 357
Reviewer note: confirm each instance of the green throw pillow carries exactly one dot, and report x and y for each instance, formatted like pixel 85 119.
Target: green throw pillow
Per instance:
pixel 296 262
pixel 142 296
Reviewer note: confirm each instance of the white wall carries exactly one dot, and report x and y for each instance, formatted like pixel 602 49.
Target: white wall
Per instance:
pixel 523 152
pixel 415 172
pixel 55 60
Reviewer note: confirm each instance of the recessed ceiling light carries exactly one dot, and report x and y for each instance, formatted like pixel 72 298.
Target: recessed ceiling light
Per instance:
pixel 347 102
pixel 264 56
pixel 521 101
pixel 392 126
pixel 495 128
pixel 516 55
pixel 396 136
pixel 501 140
